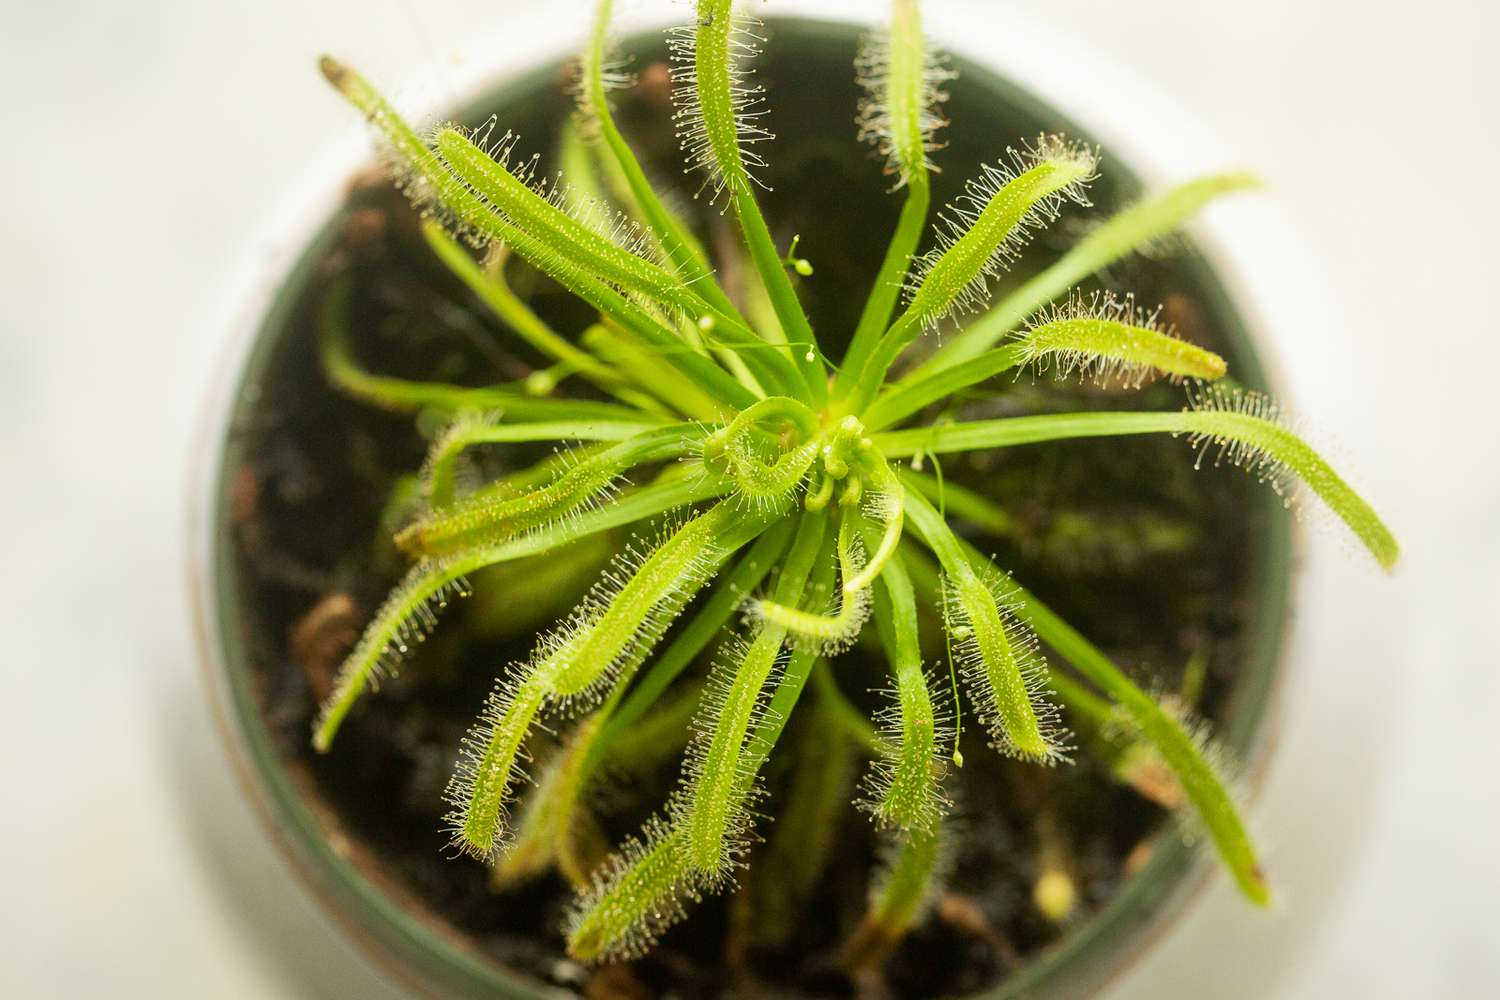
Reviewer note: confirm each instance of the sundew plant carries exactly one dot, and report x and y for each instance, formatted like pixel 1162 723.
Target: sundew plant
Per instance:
pixel 785 505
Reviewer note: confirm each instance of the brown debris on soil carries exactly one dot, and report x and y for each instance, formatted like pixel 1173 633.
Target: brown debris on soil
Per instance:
pixel 321 638
pixel 964 915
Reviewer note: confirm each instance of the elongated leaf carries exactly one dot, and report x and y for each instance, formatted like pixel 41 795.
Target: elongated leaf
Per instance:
pixel 1246 429
pixel 1125 232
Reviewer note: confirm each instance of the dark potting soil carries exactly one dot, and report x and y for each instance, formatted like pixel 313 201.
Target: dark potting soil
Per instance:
pixel 1151 559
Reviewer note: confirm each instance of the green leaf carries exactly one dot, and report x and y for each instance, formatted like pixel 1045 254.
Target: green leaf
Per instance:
pixel 835 631
pixel 713 812
pixel 1243 428
pixel 911 875
pixel 1184 750
pixel 648 884
pixel 903 788
pixel 1001 666
pixel 597 78
pixel 600 242
pixel 601 644
pixel 903 89
pixel 408 396
pixel 412 606
pixel 903 83
pixel 430 183
pixel 983 231
pixel 906 398
pixel 1127 231
pixel 1107 338
pixel 471 429
pixel 489 515
pixel 807 828
pixel 717 111
pixel 645 368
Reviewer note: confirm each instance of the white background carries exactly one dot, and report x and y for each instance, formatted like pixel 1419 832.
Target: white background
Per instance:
pixel 146 147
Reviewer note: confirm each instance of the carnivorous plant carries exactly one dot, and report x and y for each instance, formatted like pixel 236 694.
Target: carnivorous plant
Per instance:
pixel 780 498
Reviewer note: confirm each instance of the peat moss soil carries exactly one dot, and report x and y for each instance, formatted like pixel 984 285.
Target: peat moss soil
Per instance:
pixel 1149 558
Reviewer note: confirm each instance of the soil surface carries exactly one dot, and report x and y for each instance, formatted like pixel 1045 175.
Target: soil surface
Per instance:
pixel 1147 557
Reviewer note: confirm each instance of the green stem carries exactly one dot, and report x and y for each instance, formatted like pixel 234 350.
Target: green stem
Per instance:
pixel 554 230
pixel 892 505
pixel 408 396
pixel 907 777
pixel 906 398
pixel 429 181
pixel 888 281
pixel 794 322
pixel 842 712
pixel 556 241
pixel 681 247
pixel 491 515
pixel 831 630
pixel 645 368
pixel 717 87
pixel 808 825
pixel 445 453
pixel 788 690
pixel 599 649
pixel 959 271
pixel 495 293
pixel 961 502
pixel 998 676
pixel 1178 748
pixel 649 886
pixel 612 304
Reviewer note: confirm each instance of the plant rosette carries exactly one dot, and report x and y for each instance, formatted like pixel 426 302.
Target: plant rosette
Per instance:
pixel 763 481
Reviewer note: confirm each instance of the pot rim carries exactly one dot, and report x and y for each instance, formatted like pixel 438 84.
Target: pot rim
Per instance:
pixel 1160 146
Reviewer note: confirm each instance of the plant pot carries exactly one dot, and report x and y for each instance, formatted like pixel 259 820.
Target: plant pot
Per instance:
pixel 385 904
